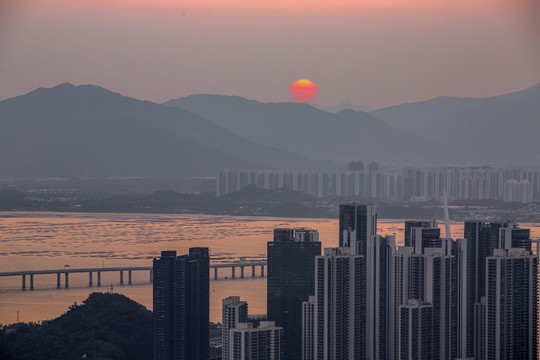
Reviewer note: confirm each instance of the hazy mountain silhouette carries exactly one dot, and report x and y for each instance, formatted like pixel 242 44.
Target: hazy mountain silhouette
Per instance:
pixel 89 131
pixel 345 105
pixel 308 131
pixel 503 129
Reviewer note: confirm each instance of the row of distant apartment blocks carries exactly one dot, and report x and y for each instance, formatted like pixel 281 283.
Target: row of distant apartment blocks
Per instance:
pixel 409 184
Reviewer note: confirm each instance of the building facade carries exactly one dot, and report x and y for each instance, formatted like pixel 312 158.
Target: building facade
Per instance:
pixel 339 306
pixel 291 273
pixel 234 312
pixel 511 306
pixel 481 240
pixel 415 331
pixel 247 342
pixel 410 184
pixel 181 305
pixel 308 329
pixel 357 226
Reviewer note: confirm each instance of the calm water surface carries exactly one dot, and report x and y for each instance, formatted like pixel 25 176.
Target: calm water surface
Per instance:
pixel 33 240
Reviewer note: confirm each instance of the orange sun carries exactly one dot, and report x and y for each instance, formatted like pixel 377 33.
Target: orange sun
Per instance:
pixel 303 90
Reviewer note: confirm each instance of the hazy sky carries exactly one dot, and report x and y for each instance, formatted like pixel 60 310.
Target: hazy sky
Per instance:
pixel 372 52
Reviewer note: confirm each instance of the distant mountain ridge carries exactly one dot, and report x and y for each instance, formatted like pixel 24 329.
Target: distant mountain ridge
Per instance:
pixel 305 130
pixel 500 129
pixel 344 105
pixel 90 131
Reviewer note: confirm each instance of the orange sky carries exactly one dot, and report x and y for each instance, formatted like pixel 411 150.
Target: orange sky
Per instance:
pixel 371 52
pixel 335 5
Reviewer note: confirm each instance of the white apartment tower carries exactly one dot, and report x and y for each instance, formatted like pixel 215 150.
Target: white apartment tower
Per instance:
pixel 339 309
pixel 249 343
pixel 234 312
pixel 428 278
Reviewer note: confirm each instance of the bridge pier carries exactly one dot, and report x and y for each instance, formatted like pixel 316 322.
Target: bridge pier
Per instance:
pixel 89 278
pixel 151 275
pixel 233 272
pixel 31 281
pixel 121 277
pixel 253 271
pixel 262 270
pixel 58 280
pixel 129 277
pixel 24 282
pixel 241 272
pixel 67 279
pixel 215 274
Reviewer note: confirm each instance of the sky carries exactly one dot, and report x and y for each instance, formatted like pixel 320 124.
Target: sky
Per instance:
pixel 372 52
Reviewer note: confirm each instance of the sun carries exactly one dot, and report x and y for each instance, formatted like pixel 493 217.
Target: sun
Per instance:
pixel 303 90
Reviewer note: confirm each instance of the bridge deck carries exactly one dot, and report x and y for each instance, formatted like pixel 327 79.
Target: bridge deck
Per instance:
pixel 120 268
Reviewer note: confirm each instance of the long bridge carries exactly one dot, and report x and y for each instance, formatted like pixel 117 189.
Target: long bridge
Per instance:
pixel 129 269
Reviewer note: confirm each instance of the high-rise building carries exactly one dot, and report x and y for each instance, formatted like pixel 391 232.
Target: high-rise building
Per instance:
pixel 422 234
pixel 373 166
pixel 411 224
pixel 308 328
pixel 247 342
pixel 357 225
pixel 480 330
pixel 234 312
pixel 514 238
pixel 472 253
pixel 415 331
pixel 339 306
pixel 441 291
pixel 358 231
pixel 378 261
pixel 291 259
pixel 511 306
pixel 355 166
pixel 181 305
pixel 518 191
pixel 399 295
pixel 430 278
pixel 481 240
pixel 466 313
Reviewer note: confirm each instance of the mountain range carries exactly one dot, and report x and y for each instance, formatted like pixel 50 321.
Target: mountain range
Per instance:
pixel 344 105
pixel 89 131
pixel 305 130
pixel 503 129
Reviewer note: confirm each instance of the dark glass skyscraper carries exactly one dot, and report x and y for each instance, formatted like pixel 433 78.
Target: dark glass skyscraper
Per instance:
pixel 482 238
pixel 291 269
pixel 416 331
pixel 181 305
pixel 410 224
pixel 357 226
pixel 511 305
